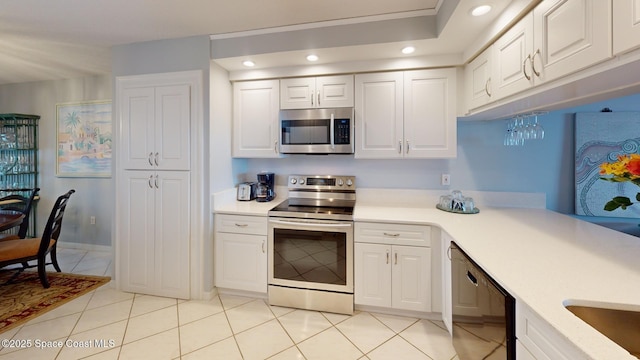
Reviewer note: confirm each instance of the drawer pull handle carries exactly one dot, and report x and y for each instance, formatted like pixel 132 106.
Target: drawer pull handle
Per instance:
pixel 242 225
pixel 391 235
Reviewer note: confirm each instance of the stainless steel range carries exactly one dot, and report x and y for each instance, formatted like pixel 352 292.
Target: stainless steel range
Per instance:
pixel 311 244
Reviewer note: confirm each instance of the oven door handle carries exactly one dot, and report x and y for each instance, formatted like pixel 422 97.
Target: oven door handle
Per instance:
pixel 310 224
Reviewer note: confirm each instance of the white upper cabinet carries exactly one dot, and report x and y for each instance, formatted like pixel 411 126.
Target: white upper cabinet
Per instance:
pixel 626 25
pixel 430 113
pixel 511 59
pixel 316 92
pixel 155 126
pixel 255 118
pixel 379 112
pixel 406 114
pixel 558 38
pixel 477 77
pixel 570 35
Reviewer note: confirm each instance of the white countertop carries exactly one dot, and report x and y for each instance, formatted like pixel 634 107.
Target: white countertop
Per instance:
pixel 543 258
pixel 225 203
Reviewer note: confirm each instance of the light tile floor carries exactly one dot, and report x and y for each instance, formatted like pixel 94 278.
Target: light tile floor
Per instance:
pixel 110 324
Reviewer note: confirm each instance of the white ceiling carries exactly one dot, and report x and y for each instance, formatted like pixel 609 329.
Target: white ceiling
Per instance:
pixel 45 40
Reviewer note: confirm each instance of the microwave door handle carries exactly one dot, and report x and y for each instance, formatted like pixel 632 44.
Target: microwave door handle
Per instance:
pixel 333 144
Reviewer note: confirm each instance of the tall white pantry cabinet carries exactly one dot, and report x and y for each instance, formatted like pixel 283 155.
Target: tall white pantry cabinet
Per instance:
pixel 154 214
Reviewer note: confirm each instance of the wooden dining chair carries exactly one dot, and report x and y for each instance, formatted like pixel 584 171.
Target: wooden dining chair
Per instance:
pixel 22 204
pixel 20 251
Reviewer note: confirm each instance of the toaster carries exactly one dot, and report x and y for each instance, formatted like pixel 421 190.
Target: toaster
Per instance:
pixel 246 191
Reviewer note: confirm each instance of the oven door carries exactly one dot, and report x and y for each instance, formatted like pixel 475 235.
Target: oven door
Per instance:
pixel 311 254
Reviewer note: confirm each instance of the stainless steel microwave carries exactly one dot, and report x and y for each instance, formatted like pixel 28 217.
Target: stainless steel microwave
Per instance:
pixel 317 131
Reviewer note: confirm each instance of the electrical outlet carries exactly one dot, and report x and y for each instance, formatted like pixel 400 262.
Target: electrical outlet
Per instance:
pixel 92 220
pixel 445 179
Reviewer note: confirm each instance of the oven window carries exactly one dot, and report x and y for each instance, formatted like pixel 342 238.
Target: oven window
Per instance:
pixel 311 256
pixel 306 132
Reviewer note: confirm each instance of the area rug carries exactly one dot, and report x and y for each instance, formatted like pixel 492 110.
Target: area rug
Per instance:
pixel 25 298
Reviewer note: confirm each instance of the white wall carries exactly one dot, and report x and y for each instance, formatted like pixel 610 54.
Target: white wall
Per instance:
pixel 94 196
pixel 225 171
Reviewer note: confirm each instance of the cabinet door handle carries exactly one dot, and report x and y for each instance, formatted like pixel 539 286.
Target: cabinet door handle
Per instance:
pixel 156 159
pixel 486 87
pixel 318 97
pixel 387 256
pixel 149 158
pixel 524 67
pixel 312 96
pixel 391 235
pixel 157 187
pixel 395 258
pixel 449 252
pixel 151 181
pixel 275 146
pixel 399 146
pixel 264 250
pixel 408 146
pixel 533 62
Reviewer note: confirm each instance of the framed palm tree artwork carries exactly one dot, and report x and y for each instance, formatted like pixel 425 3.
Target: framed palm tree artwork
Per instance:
pixel 84 140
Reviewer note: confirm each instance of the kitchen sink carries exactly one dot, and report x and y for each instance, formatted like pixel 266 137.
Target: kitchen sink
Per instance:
pixel 621 326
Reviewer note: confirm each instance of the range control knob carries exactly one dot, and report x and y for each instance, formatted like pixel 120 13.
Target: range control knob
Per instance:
pixel 349 182
pixel 301 181
pixel 340 182
pixel 294 181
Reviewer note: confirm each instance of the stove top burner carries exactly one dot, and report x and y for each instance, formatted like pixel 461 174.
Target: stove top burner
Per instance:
pixel 319 197
pixel 285 209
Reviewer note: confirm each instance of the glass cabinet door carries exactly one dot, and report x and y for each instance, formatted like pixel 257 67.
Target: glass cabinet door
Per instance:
pixel 19 160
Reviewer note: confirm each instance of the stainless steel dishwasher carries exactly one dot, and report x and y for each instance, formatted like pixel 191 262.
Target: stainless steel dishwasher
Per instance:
pixel 483 312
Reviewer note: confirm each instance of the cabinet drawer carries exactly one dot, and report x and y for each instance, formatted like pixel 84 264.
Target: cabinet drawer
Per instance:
pixel 239 224
pixel 394 234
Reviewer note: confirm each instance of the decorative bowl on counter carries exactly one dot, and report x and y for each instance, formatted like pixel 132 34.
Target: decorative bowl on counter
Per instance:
pixel 456 203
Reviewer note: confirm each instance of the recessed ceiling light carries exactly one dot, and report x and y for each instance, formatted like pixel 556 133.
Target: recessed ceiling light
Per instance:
pixel 408 50
pixel 312 57
pixel 480 10
pixel 248 63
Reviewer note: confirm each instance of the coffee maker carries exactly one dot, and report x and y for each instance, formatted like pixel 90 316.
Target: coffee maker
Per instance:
pixel 266 187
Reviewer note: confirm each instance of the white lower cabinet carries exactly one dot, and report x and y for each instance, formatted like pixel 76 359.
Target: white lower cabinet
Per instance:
pixel 241 252
pixel 388 272
pixel 522 353
pixel 539 339
pixel 447 308
pixel 153 253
